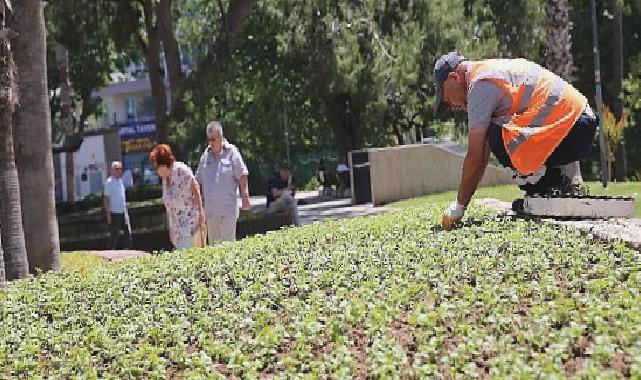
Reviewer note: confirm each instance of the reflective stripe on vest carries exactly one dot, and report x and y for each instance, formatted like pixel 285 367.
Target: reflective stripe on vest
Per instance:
pixel 544 108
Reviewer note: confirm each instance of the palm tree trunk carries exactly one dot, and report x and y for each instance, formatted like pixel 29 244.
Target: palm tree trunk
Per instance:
pixel 15 251
pixel 14 256
pixel 558 39
pixel 32 138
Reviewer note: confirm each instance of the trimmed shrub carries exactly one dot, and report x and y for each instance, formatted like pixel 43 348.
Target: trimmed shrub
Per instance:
pixel 92 201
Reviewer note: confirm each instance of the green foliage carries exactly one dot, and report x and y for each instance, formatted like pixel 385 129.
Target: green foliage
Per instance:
pixel 93 35
pixel 347 74
pixel 139 194
pixel 519 26
pixel 582 52
pixel 246 215
pixel 614 130
pixel 143 193
pixel 312 185
pixel 89 202
pixel 632 88
pixel 386 296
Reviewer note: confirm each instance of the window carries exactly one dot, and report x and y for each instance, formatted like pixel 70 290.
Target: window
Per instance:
pixel 139 107
pixel 130 108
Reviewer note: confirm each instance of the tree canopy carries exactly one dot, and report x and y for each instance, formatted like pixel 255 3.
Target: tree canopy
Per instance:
pixel 344 75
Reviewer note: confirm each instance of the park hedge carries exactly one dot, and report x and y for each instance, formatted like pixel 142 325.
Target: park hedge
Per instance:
pixel 94 201
pixel 379 297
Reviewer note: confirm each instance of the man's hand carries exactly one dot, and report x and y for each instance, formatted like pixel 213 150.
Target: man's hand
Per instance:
pixel 245 205
pixel 452 215
pixel 277 193
pixel 108 218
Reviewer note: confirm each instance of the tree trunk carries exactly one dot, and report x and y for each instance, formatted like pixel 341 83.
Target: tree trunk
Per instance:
pixel 66 119
pixel 558 39
pixel 158 91
pixel 232 21
pixel 2 278
pixel 620 161
pixel 151 49
pixel 172 58
pixel 342 116
pixel 14 256
pixel 32 138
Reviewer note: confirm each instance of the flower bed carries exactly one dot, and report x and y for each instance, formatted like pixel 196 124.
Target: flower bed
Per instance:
pixel 381 297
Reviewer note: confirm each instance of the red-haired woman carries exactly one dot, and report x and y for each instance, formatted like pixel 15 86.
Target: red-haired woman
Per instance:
pixel 181 195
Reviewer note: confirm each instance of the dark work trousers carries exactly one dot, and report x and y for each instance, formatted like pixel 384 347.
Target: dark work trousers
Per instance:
pixel 576 145
pixel 118 223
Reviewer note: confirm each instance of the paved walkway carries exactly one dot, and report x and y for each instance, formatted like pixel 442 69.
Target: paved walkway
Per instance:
pixel 315 208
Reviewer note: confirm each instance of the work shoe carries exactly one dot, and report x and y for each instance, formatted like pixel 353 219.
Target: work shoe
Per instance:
pixel 553 179
pixel 518 205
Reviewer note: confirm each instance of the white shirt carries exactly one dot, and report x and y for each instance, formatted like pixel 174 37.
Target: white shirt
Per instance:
pixel 115 190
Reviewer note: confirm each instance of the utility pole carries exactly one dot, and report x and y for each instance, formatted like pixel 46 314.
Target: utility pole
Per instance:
pixel 286 129
pixel 599 97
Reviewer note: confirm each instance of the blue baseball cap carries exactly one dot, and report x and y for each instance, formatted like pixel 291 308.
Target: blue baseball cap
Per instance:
pixel 443 66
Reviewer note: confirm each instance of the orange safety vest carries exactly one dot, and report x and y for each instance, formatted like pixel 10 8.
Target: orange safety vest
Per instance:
pixel 544 108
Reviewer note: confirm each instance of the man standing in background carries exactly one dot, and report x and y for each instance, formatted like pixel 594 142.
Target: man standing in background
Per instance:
pixel 115 206
pixel 221 172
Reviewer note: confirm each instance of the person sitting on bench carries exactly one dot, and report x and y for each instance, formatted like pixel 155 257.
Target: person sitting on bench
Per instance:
pixel 280 194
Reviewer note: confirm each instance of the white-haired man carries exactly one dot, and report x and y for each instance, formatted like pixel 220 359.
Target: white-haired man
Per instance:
pixel 115 205
pixel 221 172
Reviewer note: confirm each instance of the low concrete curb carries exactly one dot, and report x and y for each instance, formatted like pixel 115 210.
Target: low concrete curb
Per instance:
pixel 626 230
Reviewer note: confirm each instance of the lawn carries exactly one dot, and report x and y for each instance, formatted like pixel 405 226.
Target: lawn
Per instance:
pixel 390 296
pixel 511 192
pixel 79 261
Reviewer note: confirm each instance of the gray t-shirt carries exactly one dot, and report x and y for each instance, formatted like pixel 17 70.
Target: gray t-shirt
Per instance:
pixel 219 178
pixel 485 101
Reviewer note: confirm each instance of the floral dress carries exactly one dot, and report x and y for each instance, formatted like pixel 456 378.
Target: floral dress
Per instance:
pixel 180 202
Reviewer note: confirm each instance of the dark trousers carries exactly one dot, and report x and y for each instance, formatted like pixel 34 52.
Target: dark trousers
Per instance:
pixel 576 145
pixel 118 223
pixel 343 183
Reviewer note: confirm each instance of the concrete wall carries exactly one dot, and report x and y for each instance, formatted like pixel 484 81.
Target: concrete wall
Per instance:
pixel 411 170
